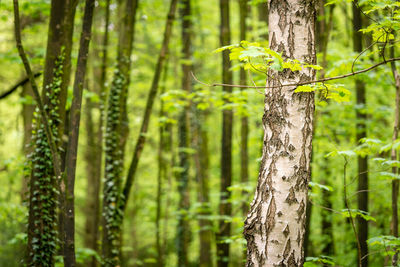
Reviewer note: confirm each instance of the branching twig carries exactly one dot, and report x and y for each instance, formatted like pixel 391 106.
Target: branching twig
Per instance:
pixel 302 83
pixel 43 113
pixel 18 84
pixel 346 203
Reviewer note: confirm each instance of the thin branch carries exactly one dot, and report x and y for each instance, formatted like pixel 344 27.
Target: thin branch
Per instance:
pixel 29 73
pixel 18 84
pixel 346 203
pixel 362 52
pixel 302 83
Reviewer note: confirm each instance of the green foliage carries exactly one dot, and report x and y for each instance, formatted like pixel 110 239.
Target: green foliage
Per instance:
pixel 388 245
pixel 113 169
pixel 44 185
pixel 318 261
pixel 260 59
pixel 355 212
pixel 335 92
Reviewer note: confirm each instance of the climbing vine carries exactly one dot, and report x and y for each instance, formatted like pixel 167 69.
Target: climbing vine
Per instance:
pixel 43 185
pixel 113 171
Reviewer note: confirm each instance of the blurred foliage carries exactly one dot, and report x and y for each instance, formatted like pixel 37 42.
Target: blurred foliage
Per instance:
pixel 334 137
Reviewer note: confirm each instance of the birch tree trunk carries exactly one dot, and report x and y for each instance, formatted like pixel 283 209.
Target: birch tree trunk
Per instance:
pixel 275 226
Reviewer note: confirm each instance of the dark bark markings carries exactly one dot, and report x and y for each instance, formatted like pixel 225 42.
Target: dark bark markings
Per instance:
pixel 265 214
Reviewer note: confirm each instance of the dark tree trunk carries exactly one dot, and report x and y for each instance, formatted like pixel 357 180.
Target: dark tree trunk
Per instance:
pixel 323 28
pixel 183 228
pixel 42 234
pixel 394 156
pixel 244 123
pixel 362 194
pixel 262 9
pixel 27 115
pixel 225 208
pixel 73 134
pixel 201 162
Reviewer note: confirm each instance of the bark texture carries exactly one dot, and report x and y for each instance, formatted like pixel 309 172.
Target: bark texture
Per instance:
pixel 275 226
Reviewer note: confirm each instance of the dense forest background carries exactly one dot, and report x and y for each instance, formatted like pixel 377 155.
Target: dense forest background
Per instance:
pixel 174 214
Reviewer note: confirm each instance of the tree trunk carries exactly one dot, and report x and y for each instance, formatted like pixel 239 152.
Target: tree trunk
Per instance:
pixel 27 115
pixel 42 234
pixel 183 227
pixel 327 216
pixel 225 208
pixel 362 194
pixel 94 151
pixel 73 134
pixel 115 137
pixel 262 9
pixel 323 27
pixel 394 156
pixel 201 164
pixel 244 123
pixel 275 226
pixel 140 142
pixel 163 147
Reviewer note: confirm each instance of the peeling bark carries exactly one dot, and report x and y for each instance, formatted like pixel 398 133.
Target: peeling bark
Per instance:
pixel 275 226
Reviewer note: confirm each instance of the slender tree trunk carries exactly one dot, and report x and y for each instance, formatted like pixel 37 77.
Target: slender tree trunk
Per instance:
pixel 201 164
pixel 140 142
pixel 362 195
pixel 73 135
pixel 183 227
pixel 94 151
pixel 275 226
pixel 394 156
pixel 323 28
pixel 27 115
pixel 42 234
pixel 262 9
pixel 327 216
pixel 162 170
pixel 225 208
pixel 244 123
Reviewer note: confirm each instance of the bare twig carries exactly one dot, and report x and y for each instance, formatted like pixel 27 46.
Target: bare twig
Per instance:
pixel 43 113
pixel 302 83
pixel 346 203
pixel 22 82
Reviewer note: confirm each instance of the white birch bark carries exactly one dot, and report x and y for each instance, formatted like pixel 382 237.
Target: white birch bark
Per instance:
pixel 275 226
